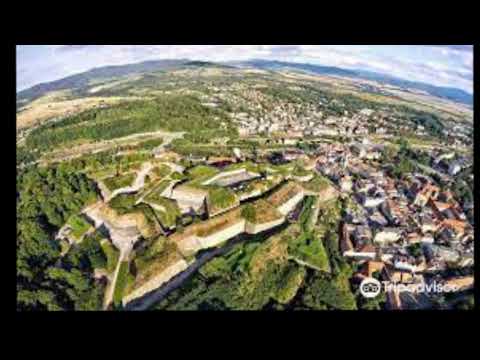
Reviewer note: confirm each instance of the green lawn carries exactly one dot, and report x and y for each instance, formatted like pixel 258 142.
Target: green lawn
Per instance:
pixel 220 198
pixel 172 211
pixel 111 253
pixel 260 212
pixel 247 165
pixel 155 196
pixel 317 184
pixel 122 280
pixel 308 246
pixel 305 218
pixel 79 226
pixel 154 188
pixel 123 203
pixel 301 171
pixel 117 182
pixel 150 144
pixel 162 170
pixel 157 256
pixel 309 249
pixel 202 171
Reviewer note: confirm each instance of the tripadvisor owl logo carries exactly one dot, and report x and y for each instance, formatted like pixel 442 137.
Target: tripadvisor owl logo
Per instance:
pixel 370 287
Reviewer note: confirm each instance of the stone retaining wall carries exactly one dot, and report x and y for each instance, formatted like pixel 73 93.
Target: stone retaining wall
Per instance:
pixel 227 174
pixel 157 281
pixel 222 235
pixel 251 228
pixel 288 206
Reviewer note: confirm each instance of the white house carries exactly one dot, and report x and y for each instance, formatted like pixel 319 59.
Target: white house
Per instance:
pixel 387 235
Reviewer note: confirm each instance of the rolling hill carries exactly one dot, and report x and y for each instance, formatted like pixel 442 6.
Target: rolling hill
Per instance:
pixel 449 93
pixel 82 80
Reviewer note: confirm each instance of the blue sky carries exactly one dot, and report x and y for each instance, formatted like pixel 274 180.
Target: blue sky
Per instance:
pixel 441 65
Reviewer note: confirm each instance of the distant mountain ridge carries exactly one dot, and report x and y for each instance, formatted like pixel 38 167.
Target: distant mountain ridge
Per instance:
pixel 81 80
pixel 106 72
pixel 450 93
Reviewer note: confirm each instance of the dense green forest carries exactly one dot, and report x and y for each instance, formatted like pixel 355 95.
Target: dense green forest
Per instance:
pixel 25 156
pixel 171 113
pixel 46 198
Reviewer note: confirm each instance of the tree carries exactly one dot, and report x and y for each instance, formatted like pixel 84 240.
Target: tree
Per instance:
pixel 45 198
pixel 249 213
pixel 404 167
pixel 324 292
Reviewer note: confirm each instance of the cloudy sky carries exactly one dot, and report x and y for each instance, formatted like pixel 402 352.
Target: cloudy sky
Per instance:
pixel 442 65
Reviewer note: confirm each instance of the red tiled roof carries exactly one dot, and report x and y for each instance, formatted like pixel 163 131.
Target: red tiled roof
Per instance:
pixel 457 225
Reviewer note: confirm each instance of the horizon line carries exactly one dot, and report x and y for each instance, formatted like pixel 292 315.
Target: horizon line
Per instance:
pixel 250 59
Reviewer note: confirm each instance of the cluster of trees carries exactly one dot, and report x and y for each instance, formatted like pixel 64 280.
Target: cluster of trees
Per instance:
pixel 307 147
pixel 431 122
pixel 171 113
pixel 218 288
pixel 46 198
pixel 324 292
pixel 25 155
pixel 401 159
pixel 332 104
pixel 463 190
pixel 249 212
pixel 220 197
pixel 105 161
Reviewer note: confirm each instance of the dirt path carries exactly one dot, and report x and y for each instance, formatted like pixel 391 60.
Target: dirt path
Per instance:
pixel 138 183
pixel 123 239
pixel 113 282
pixel 316 210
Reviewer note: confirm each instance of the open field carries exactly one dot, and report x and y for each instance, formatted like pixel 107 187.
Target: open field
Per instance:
pixel 41 110
pixel 417 101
